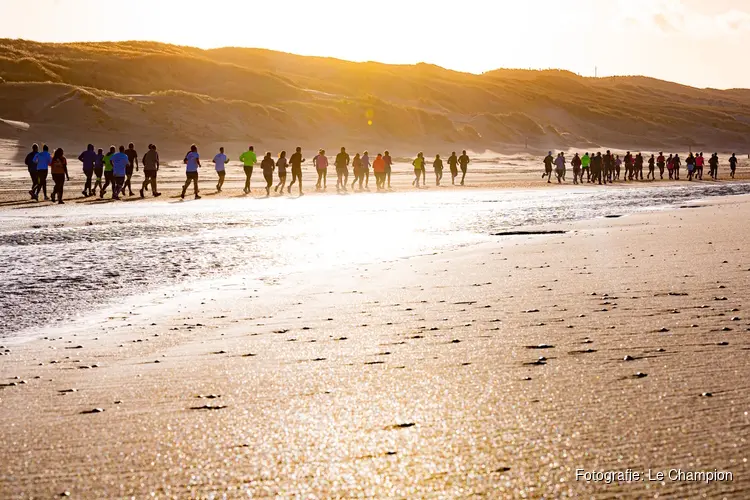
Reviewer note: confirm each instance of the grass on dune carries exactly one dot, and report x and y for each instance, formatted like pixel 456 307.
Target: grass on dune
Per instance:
pixel 286 94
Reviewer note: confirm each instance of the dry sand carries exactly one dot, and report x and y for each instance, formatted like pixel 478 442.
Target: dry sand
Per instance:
pixel 414 378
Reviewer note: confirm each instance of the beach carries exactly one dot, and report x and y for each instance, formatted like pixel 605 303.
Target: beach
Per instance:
pixel 497 365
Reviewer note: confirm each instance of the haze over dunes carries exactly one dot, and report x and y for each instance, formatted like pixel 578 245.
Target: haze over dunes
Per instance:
pixel 152 91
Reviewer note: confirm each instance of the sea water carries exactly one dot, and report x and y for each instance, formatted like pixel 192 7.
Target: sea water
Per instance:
pixel 57 265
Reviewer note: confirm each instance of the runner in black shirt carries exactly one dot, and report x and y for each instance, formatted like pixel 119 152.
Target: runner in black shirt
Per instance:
pixel 464 161
pixel 296 162
pixel 133 161
pixel 342 169
pixel 31 165
pixel 732 165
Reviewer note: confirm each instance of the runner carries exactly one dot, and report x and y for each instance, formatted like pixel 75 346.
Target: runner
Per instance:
pixel 150 168
pixel 560 167
pixel 651 168
pixel 132 161
pixel 576 163
pixel 320 162
pixel 281 163
pixel 108 177
pixel 670 167
pixel 418 166
pixel 192 163
pixel 713 166
pixel 732 165
pixel 597 163
pixel 639 167
pixel 268 165
pixel 31 166
pixel 120 164
pixel 453 164
pixel 690 162
pixel 342 169
pixel 676 167
pixel 628 174
pixel 585 167
pixel 388 165
pixel 364 171
pixel 248 159
pixel 378 168
pixel 98 170
pixel 296 161
pixel 618 165
pixel 220 160
pixel 660 163
pixel 357 169
pixel 437 164
pixel 548 161
pixel 464 161
pixel 59 167
pixel 42 161
pixel 88 158
pixel 609 166
pixel 699 162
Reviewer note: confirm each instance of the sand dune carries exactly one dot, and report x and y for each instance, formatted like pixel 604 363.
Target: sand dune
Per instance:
pixel 174 94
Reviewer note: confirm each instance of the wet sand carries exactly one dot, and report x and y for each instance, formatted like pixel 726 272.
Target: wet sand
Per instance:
pixel 495 370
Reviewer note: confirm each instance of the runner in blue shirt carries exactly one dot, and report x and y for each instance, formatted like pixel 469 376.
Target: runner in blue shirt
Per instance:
pixel 220 160
pixel 120 164
pixel 192 163
pixel 42 161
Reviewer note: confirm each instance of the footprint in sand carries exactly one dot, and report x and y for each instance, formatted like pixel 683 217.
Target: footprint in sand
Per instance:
pixel 94 410
pixel 582 351
pixel 405 425
pixel 539 362
pixel 208 407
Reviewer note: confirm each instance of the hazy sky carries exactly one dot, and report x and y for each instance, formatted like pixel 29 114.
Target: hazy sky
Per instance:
pixel 697 42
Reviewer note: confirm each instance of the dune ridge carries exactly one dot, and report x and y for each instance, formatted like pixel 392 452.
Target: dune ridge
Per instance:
pixel 176 94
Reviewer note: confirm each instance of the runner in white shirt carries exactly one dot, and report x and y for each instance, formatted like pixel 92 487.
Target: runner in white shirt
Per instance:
pixel 220 160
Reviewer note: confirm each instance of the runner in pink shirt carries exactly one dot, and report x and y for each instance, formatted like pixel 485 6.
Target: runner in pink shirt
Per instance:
pixel 699 162
pixel 321 165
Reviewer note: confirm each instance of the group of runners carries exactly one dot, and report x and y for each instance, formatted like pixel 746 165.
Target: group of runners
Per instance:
pixel 114 169
pixel 603 168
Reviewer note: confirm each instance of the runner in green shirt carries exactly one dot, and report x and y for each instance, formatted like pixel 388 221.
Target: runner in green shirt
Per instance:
pixel 248 159
pixel 585 164
pixel 108 171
